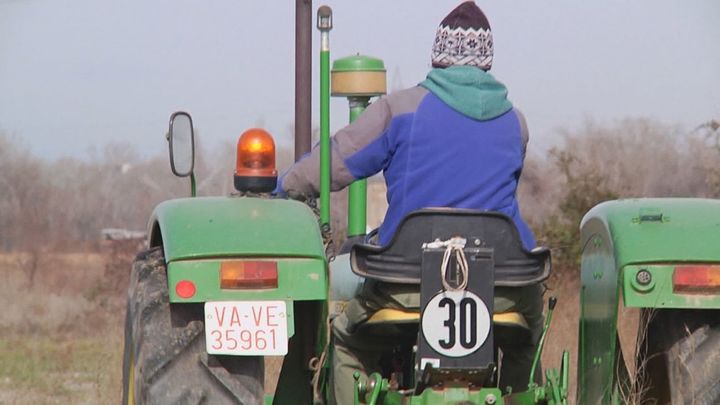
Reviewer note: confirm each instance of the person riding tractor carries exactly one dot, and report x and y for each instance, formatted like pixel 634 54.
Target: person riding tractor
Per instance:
pixel 454 141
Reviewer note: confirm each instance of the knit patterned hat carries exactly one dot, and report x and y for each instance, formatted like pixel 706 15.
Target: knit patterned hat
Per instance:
pixel 464 38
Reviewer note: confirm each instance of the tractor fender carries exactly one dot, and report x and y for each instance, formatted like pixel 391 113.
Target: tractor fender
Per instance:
pixel 202 227
pixel 620 239
pixel 198 234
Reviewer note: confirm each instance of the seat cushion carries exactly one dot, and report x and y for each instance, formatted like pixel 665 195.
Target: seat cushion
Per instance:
pixel 390 315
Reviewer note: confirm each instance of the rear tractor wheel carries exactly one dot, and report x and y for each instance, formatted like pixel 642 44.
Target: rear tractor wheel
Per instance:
pixel 165 361
pixel 683 357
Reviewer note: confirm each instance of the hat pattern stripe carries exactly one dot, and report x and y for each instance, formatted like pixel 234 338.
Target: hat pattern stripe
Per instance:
pixel 455 45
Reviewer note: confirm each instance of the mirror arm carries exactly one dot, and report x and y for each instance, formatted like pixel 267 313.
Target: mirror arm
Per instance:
pixel 193 191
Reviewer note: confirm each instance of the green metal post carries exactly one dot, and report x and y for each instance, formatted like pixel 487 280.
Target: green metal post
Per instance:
pixel 193 188
pixel 357 195
pixel 565 374
pixel 324 24
pixel 541 343
pixel 358 78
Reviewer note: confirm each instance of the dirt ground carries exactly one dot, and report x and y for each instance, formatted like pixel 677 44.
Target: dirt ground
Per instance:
pixel 61 332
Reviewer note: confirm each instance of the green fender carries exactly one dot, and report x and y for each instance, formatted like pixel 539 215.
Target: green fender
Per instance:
pixel 193 228
pixel 619 239
pixel 197 234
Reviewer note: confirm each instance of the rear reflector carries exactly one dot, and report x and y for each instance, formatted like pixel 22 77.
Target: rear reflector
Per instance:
pixel 185 289
pixel 699 279
pixel 240 274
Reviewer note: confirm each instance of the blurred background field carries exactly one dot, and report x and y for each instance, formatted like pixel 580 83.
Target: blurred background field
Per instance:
pixel 61 335
pixel 61 323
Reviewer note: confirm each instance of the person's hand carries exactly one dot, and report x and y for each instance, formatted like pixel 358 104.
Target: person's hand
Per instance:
pixel 279 192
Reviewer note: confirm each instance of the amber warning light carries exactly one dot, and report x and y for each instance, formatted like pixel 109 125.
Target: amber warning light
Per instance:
pixel 255 166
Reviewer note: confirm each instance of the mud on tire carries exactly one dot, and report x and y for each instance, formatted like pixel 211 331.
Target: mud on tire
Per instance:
pixel 165 355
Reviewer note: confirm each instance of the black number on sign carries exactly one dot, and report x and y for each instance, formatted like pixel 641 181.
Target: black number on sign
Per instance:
pixel 468 323
pixel 466 341
pixel 449 323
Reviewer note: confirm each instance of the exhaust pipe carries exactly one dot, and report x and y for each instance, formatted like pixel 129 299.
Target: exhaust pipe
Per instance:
pixel 303 77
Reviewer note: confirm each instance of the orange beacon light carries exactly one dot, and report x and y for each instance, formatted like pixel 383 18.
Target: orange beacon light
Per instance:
pixel 255 165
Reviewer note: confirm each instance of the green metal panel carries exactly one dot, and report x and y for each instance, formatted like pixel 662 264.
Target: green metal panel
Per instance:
pixel 660 230
pixel 214 227
pixel 598 313
pixel 445 397
pixel 453 396
pixel 658 293
pixel 376 390
pixel 298 280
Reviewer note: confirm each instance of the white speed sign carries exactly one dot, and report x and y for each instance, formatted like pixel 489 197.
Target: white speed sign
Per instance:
pixel 455 323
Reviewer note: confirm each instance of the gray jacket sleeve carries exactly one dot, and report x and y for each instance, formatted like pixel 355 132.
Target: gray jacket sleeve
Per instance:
pixel 523 129
pixel 304 176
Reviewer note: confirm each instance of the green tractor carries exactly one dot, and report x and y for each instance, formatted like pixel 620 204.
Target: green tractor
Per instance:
pixel 227 282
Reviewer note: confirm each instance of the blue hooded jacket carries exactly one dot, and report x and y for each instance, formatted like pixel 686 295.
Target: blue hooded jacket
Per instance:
pixel 453 141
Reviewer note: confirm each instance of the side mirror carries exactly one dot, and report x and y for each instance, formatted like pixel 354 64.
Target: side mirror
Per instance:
pixel 182 144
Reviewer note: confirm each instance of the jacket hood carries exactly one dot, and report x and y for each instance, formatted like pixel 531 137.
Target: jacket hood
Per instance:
pixel 469 90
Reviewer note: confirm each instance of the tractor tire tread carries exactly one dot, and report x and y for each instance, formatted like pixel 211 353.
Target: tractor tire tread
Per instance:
pixel 689 344
pixel 167 342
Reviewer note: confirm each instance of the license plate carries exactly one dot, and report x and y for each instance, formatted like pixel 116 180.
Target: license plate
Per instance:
pixel 246 328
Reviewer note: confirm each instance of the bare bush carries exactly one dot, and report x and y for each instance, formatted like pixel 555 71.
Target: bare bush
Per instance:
pixel 632 158
pixel 539 189
pixel 24 201
pixel 62 205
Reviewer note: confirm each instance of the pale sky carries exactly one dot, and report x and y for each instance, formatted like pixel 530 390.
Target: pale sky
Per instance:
pixel 76 73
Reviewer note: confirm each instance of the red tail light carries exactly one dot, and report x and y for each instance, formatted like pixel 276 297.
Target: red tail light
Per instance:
pixel 239 274
pixel 185 289
pixel 697 278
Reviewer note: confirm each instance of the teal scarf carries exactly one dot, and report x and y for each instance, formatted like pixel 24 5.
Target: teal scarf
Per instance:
pixel 470 91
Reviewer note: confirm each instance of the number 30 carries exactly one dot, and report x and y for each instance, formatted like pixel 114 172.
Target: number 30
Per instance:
pixel 468 312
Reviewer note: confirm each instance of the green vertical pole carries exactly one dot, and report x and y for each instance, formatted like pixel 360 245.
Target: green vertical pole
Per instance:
pixel 357 195
pixel 358 78
pixel 324 25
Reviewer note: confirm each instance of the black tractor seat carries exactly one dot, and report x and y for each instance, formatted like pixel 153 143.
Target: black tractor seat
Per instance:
pixel 400 260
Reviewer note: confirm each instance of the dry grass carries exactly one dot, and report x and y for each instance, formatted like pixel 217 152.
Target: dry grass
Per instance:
pixel 61 335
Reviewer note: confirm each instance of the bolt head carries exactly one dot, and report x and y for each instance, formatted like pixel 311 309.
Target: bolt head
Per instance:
pixel 490 399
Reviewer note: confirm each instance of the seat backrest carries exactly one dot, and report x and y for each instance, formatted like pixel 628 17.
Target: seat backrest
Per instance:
pixel 399 261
